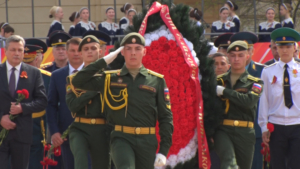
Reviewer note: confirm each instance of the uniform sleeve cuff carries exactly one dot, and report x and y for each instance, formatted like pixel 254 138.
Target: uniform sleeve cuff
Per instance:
pixel 264 129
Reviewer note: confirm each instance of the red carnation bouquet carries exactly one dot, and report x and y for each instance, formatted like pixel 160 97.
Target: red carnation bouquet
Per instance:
pixel 22 94
pixel 265 151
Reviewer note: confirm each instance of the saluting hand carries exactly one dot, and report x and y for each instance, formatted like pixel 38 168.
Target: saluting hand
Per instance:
pixel 112 55
pixel 57 140
pixel 15 109
pixel 266 137
pixel 7 123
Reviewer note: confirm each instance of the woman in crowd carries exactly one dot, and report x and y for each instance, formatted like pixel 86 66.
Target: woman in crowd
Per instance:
pixel 109 26
pixel 196 15
pixel 124 22
pixel 130 15
pixel 57 13
pixel 285 11
pixel 223 25
pixel 232 15
pixel 268 26
pixel 84 25
pixel 74 18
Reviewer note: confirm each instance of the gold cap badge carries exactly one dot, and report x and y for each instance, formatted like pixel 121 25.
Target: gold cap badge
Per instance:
pixel 133 40
pixel 59 40
pixel 237 48
pixel 283 38
pixel 26 49
pixel 88 39
pixel 228 42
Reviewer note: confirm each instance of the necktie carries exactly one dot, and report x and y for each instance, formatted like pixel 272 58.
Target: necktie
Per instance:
pixel 12 82
pixel 288 100
pixel 74 71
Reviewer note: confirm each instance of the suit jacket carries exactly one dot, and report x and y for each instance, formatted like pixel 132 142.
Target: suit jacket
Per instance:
pixel 36 102
pixel 58 114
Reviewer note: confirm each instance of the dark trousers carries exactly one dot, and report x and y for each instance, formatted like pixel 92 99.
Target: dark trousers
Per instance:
pixel 67 156
pixel 17 152
pixel 258 157
pixel 285 147
pixel 133 151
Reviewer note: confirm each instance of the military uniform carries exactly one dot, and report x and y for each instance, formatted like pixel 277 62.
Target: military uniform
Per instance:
pixel 235 138
pixel 254 69
pixel 89 133
pixel 32 47
pixel 133 106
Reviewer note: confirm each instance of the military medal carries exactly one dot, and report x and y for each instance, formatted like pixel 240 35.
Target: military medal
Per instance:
pixel 120 80
pixel 295 72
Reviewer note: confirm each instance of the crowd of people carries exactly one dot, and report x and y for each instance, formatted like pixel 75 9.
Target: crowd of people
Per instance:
pixel 78 93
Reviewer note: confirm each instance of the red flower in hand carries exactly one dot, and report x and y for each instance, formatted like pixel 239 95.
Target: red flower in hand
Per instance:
pixel 57 151
pixel 43 163
pixel 47 147
pixel 25 93
pixel 270 127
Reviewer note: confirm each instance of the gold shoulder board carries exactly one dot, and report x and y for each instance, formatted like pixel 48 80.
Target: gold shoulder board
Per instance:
pixel 45 65
pixel 112 71
pixel 253 78
pixel 45 72
pixel 98 74
pixel 155 74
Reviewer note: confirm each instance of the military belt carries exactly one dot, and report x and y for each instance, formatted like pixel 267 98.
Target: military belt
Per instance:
pixel 135 130
pixel 238 123
pixel 38 114
pixel 90 120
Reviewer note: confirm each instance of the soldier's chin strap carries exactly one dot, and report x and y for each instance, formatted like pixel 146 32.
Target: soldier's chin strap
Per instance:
pixel 226 100
pixel 123 93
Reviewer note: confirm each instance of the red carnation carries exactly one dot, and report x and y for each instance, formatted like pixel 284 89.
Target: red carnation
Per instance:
pixel 270 127
pixel 155 45
pixel 43 163
pixel 172 44
pixel 19 91
pixel 162 40
pixel 25 93
pixel 57 151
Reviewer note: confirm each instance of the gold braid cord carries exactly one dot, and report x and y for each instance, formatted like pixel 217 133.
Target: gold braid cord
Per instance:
pixel 123 93
pixel 226 100
pixel 43 132
pixel 77 94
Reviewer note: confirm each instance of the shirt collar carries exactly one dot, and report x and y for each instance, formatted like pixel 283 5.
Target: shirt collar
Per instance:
pixel 125 71
pixel 290 63
pixel 242 78
pixel 8 66
pixel 71 68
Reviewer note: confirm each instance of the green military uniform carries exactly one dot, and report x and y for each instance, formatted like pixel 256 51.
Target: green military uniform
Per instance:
pixel 89 133
pixel 32 47
pixel 133 106
pixel 235 138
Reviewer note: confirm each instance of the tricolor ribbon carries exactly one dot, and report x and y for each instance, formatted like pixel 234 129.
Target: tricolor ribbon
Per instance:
pixel 203 151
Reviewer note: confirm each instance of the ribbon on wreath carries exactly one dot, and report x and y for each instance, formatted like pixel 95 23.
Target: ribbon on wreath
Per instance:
pixel 203 151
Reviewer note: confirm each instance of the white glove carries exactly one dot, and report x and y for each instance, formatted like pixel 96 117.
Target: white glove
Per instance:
pixel 160 160
pixel 112 55
pixel 220 90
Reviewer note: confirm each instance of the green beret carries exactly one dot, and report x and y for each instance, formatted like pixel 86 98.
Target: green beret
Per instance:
pixel 237 46
pixel 88 39
pixel 133 38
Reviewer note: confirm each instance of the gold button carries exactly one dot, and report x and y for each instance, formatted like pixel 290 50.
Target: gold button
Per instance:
pixel 137 130
pixel 236 123
pixel 93 121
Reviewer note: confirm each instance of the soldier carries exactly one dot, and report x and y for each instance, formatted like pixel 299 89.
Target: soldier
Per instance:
pixel 33 56
pixel 135 98
pixel 222 42
pixel 89 133
pixel 221 63
pixel 103 38
pixel 57 40
pixel 235 138
pixel 279 103
pixel 254 69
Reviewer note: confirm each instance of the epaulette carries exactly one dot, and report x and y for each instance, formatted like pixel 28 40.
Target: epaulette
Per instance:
pixel 221 75
pixel 98 75
pixel 259 64
pixel 253 78
pixel 271 65
pixel 45 72
pixel 46 65
pixel 155 74
pixel 112 71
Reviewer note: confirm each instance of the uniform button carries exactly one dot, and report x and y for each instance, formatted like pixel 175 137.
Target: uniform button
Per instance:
pixel 137 130
pixel 236 123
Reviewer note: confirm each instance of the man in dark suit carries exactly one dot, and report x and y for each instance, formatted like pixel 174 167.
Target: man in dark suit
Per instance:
pixel 58 115
pixel 14 76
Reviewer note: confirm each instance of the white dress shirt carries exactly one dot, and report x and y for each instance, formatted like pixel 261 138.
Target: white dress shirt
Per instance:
pixel 272 106
pixel 71 69
pixel 17 72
